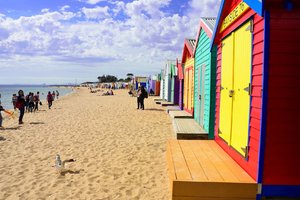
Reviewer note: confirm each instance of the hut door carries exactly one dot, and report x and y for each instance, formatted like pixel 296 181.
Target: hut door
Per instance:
pixel 202 93
pixel 242 88
pixel 198 98
pixel 235 88
pixel 226 89
pixel 190 88
pixel 172 89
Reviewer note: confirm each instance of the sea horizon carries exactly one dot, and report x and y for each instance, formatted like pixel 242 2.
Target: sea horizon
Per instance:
pixel 7 90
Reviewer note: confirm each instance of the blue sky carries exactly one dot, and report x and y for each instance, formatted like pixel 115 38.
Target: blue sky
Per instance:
pixel 63 41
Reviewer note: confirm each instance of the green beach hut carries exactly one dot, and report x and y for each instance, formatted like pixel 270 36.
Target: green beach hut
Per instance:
pixel 205 77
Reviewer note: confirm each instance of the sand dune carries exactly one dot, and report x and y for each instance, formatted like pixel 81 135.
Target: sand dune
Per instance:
pixel 119 150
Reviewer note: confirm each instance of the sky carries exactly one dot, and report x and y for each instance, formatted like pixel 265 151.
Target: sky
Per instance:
pixel 72 41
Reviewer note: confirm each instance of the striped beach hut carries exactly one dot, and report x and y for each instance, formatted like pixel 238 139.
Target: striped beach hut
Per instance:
pixel 188 71
pixel 257 108
pixel 205 77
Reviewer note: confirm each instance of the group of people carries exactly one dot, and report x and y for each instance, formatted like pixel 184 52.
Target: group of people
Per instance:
pixel 108 93
pixel 27 103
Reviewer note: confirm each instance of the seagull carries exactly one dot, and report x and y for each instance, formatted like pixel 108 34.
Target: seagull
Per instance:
pixel 60 165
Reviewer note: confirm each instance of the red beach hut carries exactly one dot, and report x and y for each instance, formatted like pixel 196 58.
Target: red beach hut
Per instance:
pixel 257 104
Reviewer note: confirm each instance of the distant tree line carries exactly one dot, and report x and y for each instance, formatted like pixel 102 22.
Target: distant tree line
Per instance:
pixel 111 78
pixel 107 79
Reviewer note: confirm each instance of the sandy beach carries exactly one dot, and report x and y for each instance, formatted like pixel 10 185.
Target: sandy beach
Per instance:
pixel 119 150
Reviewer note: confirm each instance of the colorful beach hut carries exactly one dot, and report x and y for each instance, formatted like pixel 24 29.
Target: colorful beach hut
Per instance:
pixel 140 81
pixel 257 109
pixel 167 81
pixel 188 72
pixel 162 85
pixel 180 77
pixel 152 83
pixel 205 77
pixel 174 85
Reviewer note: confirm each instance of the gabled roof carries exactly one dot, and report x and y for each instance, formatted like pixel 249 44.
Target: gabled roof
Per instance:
pixel 207 24
pixel 188 47
pixel 179 69
pixel 256 5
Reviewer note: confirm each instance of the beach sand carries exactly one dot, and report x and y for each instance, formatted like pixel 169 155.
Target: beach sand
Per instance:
pixel 119 150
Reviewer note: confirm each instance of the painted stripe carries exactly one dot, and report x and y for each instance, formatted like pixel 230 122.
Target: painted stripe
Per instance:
pixel 281 190
pixel 263 124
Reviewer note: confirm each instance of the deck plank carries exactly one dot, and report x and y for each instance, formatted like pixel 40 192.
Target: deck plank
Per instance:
pixel 188 129
pixel 181 169
pixel 219 164
pixel 195 168
pixel 210 170
pixel 213 174
pixel 179 114
pixel 238 172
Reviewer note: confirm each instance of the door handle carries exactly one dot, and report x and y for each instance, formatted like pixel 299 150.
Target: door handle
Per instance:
pixel 231 93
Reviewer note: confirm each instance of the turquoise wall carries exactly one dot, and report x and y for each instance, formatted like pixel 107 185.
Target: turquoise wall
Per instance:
pixel 204 115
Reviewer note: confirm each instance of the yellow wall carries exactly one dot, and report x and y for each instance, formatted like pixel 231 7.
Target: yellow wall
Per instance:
pixel 188 96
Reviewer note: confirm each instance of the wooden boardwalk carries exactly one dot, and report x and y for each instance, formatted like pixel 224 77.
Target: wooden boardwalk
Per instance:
pixel 188 129
pixel 200 169
pixel 179 114
pixel 173 108
pixel 167 103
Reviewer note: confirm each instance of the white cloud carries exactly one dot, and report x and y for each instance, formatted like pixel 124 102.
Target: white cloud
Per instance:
pixel 204 8
pixel 64 8
pixel 96 13
pixel 92 2
pixel 45 10
pixel 140 43
pixel 149 7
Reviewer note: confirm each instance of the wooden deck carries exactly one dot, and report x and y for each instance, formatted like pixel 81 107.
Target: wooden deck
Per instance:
pixel 166 103
pixel 173 108
pixel 201 170
pixel 179 114
pixel 158 100
pixel 188 129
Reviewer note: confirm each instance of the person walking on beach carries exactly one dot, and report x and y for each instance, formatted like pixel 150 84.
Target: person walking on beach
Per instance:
pixel 27 102
pixel 36 99
pixel 53 96
pixel 138 93
pixel 49 99
pixel 1 109
pixel 1 118
pixel 21 105
pixel 14 101
pixel 31 102
pixel 57 94
pixel 142 96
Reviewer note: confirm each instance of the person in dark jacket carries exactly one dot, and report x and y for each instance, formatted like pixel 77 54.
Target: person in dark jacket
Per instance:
pixel 49 99
pixel 21 105
pixel 142 96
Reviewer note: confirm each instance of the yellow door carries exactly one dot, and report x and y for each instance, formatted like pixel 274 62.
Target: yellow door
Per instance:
pixel 190 99
pixel 185 88
pixel 241 98
pixel 226 88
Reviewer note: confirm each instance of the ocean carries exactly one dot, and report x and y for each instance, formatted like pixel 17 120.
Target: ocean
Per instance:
pixel 7 91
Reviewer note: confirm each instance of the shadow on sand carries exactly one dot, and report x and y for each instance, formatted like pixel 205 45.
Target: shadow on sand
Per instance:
pixel 36 123
pixel 2 138
pixel 12 128
pixel 64 172
pixel 155 109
